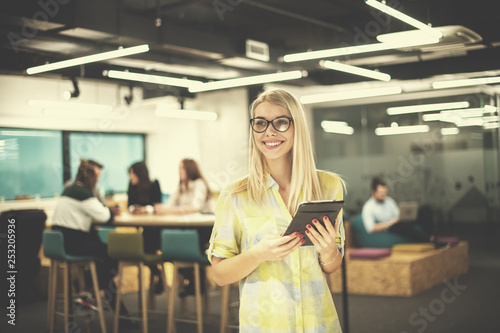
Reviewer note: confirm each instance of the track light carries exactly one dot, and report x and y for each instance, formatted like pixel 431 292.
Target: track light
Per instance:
pixel 67 95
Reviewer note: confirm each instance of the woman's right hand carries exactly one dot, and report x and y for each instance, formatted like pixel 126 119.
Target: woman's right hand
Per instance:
pixel 277 247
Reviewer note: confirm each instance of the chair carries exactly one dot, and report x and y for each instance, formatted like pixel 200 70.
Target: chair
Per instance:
pixel 128 248
pixel 53 248
pixel 182 248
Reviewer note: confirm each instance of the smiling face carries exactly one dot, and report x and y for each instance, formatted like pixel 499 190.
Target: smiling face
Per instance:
pixel 272 144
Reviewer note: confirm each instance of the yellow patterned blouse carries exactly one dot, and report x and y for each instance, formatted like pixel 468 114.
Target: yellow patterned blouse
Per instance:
pixel 291 295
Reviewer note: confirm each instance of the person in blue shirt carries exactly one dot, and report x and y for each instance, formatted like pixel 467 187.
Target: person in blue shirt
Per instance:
pixel 381 212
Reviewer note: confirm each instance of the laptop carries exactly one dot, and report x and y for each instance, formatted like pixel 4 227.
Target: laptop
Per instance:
pixel 408 211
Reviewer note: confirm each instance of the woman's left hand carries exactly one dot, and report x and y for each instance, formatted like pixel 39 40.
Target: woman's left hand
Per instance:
pixel 323 238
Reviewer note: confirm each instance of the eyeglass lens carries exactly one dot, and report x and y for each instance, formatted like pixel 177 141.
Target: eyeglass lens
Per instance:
pixel 280 124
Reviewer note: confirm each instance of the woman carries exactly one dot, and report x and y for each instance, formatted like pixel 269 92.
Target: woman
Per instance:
pixel 192 196
pixel 143 194
pixel 278 278
pixel 74 214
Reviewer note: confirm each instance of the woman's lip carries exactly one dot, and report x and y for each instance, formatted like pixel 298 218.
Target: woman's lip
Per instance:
pixel 272 144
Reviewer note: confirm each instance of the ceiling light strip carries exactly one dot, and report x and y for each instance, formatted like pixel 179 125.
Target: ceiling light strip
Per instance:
pixel 357 49
pixel 246 81
pixel 88 59
pixel 450 131
pixel 156 79
pixel 44 104
pixel 185 114
pixel 426 107
pixel 465 82
pixel 403 17
pixel 344 95
pixel 354 70
pixel 401 130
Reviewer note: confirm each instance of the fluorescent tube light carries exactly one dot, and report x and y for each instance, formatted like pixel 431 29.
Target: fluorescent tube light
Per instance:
pixel 88 59
pixel 69 105
pixel 166 111
pixel 156 79
pixel 354 70
pixel 491 125
pixel 401 130
pixel 469 122
pixel 338 127
pixel 465 82
pixel 247 81
pixel 365 48
pixel 426 107
pixel 90 113
pixel 432 117
pixel 403 17
pixel 450 131
pixel 343 95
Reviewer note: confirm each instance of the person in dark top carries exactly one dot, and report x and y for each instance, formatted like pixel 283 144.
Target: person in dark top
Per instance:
pixel 143 194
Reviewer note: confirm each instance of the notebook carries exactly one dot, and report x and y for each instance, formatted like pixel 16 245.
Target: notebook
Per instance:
pixel 408 211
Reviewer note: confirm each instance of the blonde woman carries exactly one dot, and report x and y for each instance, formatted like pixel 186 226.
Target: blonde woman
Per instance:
pixel 282 285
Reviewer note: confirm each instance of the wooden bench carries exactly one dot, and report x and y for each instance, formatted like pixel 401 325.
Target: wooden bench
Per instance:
pixel 401 273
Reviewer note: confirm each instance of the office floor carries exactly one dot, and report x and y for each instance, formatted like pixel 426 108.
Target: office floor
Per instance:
pixel 468 304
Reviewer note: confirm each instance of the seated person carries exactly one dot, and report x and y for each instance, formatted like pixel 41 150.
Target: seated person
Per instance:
pixel 74 214
pixel 143 194
pixel 192 196
pixel 381 213
pixel 98 170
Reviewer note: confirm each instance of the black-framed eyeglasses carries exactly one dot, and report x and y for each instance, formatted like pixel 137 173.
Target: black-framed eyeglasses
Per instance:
pixel 281 124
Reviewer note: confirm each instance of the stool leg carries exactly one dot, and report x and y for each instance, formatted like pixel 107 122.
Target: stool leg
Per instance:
pixel 53 293
pixel 142 288
pixel 118 294
pixel 225 293
pixel 95 282
pixel 66 269
pixel 199 315
pixel 171 305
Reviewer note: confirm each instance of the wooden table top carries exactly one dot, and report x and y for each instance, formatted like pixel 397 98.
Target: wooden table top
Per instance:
pixel 143 220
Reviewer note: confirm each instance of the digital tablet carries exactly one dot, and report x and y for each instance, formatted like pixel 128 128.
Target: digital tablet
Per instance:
pixel 313 210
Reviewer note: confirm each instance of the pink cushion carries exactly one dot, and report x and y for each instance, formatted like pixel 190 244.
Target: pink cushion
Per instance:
pixel 448 240
pixel 369 253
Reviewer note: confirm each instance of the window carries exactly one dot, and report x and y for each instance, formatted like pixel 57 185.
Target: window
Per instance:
pixel 115 151
pixel 31 163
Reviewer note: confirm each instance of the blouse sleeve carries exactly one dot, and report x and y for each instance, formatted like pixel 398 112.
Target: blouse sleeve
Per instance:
pixel 225 241
pixel 199 197
pixel 156 194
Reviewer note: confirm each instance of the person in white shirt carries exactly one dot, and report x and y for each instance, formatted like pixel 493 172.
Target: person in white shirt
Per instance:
pixel 381 213
pixel 192 196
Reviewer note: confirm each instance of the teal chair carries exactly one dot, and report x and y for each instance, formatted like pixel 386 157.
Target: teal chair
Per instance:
pixel 53 248
pixel 128 249
pixel 182 248
pixel 103 231
pixel 382 239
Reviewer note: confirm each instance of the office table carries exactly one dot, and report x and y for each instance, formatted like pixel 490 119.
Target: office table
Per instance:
pixel 154 220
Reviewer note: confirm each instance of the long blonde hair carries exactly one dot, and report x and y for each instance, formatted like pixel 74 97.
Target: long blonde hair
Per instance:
pixel 304 176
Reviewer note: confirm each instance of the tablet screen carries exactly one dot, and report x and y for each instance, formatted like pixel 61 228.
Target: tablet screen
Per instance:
pixel 313 210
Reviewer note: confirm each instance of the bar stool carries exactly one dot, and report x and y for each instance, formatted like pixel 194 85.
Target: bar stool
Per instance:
pixel 182 248
pixel 53 248
pixel 128 249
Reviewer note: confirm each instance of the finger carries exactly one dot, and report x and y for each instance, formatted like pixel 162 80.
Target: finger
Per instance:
pixel 314 234
pixel 293 245
pixel 328 224
pixel 326 235
pixel 288 238
pixel 313 239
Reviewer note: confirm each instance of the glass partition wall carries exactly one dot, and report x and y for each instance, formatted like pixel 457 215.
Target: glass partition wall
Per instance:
pixel 452 166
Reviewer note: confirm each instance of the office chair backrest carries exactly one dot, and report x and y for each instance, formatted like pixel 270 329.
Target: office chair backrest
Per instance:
pixel 180 245
pixel 125 246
